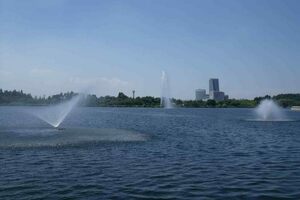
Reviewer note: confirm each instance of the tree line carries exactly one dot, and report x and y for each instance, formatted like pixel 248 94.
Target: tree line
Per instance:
pixel 121 100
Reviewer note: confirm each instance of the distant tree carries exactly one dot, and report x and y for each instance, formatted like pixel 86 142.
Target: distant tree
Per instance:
pixel 211 103
pixel 121 95
pixel 15 97
pixel 91 100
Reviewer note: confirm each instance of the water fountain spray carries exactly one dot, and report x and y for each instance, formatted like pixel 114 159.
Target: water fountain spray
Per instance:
pixel 268 110
pixel 55 114
pixel 165 100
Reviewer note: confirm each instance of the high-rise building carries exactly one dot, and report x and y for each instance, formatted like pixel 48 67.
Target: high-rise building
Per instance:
pixel 200 94
pixel 214 85
pixel 214 92
pixel 217 95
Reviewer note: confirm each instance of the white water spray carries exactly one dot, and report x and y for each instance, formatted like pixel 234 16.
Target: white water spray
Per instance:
pixel 165 100
pixel 55 114
pixel 268 110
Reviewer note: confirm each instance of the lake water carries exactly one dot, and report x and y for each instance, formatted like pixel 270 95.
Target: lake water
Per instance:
pixel 135 153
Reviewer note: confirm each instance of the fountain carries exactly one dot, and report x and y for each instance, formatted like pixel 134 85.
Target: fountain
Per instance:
pixel 165 100
pixel 40 136
pixel 268 110
pixel 55 114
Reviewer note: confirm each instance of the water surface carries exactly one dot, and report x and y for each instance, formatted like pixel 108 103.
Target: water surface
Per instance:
pixel 184 154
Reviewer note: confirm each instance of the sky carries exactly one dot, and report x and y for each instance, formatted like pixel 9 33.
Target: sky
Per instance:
pixel 103 47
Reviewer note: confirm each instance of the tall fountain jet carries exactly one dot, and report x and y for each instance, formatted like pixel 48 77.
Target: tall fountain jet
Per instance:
pixel 165 100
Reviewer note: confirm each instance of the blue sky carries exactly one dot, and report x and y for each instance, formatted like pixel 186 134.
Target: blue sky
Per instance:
pixel 104 47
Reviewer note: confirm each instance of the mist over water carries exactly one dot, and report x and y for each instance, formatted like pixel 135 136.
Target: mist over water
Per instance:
pixel 51 137
pixel 165 100
pixel 268 110
pixel 55 114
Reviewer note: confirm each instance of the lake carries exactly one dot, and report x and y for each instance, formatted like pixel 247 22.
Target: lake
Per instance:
pixel 145 153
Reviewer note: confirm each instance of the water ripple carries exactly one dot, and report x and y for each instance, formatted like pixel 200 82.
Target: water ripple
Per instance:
pixel 203 154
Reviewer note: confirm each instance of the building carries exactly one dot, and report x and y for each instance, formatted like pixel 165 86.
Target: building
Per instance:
pixel 214 92
pixel 214 85
pixel 200 94
pixel 217 95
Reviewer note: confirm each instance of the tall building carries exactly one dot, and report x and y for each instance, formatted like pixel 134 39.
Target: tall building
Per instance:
pixel 214 85
pixel 217 95
pixel 200 94
pixel 214 90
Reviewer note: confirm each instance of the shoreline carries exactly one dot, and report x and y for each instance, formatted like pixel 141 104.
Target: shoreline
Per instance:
pixel 118 106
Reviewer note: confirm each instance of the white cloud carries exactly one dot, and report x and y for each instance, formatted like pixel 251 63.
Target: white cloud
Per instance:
pixel 45 80
pixel 41 72
pixel 99 85
pixel 5 73
pixel 115 82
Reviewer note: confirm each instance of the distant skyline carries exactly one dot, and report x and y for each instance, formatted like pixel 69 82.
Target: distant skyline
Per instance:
pixel 104 47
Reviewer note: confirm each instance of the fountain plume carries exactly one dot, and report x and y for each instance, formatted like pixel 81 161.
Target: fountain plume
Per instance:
pixel 268 110
pixel 165 100
pixel 55 114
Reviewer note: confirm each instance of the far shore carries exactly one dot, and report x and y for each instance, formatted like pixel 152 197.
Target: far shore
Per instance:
pixel 19 98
